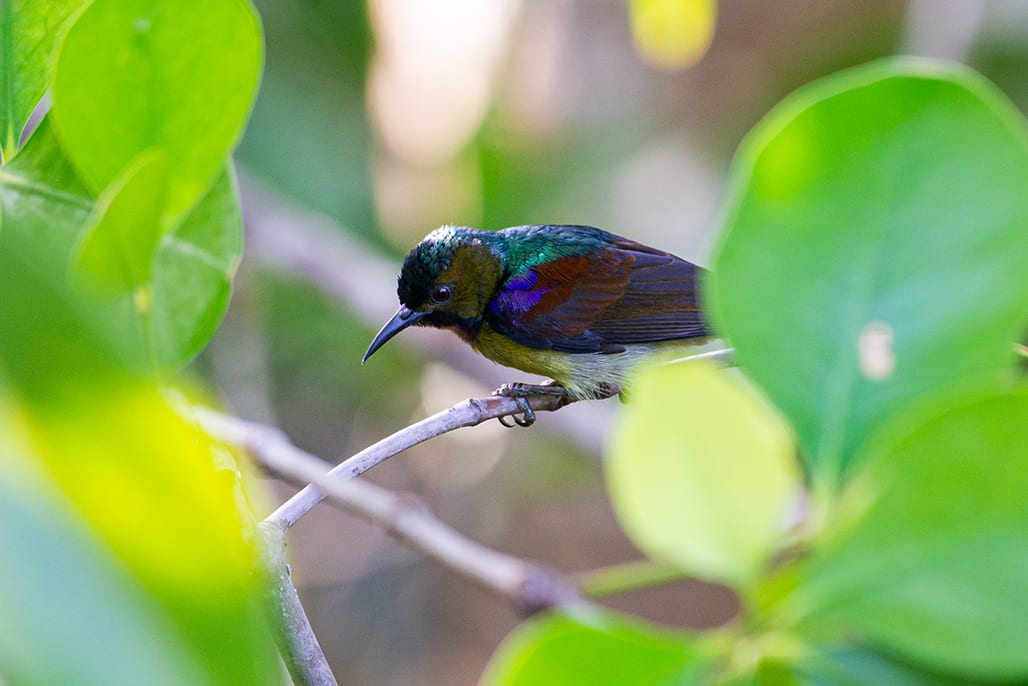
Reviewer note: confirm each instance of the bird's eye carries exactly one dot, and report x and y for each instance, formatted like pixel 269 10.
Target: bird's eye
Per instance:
pixel 441 294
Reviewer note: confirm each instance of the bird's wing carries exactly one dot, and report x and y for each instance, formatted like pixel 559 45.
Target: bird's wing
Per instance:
pixel 600 301
pixel 661 301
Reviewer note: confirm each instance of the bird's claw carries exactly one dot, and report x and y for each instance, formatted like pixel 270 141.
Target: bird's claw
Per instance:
pixel 527 414
pixel 525 390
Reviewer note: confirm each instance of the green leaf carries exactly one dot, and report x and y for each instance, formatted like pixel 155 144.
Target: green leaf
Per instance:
pixel 156 490
pixel 139 74
pixel 874 249
pixel 150 486
pixel 192 274
pixel 674 466
pixel 45 209
pixel 153 488
pixel 48 331
pixel 855 666
pixel 597 649
pixel 29 30
pixel 69 614
pixel 929 556
pixel 42 201
pixel 117 250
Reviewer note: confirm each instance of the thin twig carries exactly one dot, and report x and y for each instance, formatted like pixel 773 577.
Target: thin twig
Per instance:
pixel 529 587
pixel 467 413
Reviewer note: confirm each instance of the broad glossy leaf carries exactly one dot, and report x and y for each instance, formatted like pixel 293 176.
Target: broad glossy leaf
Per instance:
pixel 701 471
pixel 597 649
pixel 137 74
pixel 192 274
pixel 116 253
pixel 29 30
pixel 42 201
pixel 69 614
pixel 930 554
pixel 43 212
pixel 46 210
pixel 874 249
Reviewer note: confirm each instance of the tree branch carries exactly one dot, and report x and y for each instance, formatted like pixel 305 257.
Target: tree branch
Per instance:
pixel 527 586
pixel 467 413
pixel 297 643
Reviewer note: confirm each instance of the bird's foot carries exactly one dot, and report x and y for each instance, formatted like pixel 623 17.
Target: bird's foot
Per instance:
pixel 606 390
pixel 521 392
pixel 525 390
pixel 527 414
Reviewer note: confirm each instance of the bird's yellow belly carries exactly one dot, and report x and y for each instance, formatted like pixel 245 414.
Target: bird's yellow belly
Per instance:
pixel 582 374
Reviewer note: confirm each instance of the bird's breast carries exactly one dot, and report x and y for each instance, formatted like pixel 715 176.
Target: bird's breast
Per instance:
pixel 582 374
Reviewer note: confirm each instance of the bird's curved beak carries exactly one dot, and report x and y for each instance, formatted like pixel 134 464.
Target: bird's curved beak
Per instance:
pixel 400 321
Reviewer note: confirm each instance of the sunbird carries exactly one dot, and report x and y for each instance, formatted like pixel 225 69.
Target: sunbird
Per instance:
pixel 574 303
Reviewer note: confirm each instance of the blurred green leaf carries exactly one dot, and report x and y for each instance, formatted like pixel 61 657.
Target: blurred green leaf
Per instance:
pixel 192 274
pixel 153 488
pixel 68 613
pixel 672 34
pixel 157 492
pixel 854 666
pixel 929 556
pixel 137 74
pixel 701 471
pixel 29 30
pixel 599 649
pixel 874 251
pixel 117 250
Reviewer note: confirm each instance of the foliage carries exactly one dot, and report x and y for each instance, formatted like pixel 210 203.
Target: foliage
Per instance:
pixel 871 276
pixel 128 547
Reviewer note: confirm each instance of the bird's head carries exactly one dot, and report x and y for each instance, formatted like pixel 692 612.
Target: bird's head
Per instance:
pixel 446 281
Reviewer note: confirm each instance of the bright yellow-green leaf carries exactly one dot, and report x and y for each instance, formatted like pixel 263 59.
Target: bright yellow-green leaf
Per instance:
pixel 70 613
pixel 155 489
pixel 701 471
pixel 600 649
pixel 672 34
pixel 137 74
pixel 116 253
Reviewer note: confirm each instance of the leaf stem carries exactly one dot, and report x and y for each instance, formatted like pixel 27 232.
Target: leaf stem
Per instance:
pixel 630 576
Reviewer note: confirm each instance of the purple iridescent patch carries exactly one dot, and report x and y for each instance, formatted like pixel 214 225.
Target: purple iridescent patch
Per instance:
pixel 517 295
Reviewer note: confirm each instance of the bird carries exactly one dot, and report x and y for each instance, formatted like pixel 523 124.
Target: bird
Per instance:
pixel 573 303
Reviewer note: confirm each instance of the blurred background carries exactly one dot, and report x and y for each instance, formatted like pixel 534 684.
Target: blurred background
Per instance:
pixel 378 122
